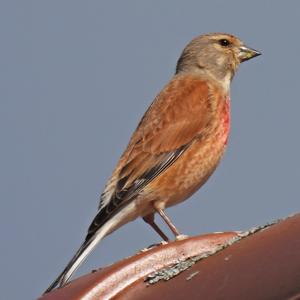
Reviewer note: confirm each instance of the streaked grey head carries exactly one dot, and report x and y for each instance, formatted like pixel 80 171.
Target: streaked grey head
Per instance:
pixel 216 54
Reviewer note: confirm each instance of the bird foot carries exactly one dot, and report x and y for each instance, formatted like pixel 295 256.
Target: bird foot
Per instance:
pixel 153 245
pixel 181 237
pixel 163 243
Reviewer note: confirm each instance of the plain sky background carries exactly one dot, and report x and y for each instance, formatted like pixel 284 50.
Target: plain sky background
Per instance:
pixel 75 78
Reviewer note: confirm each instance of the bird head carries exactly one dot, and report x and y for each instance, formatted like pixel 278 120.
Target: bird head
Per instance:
pixel 217 55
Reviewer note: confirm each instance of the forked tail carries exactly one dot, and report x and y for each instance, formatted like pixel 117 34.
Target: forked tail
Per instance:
pixel 105 222
pixel 81 254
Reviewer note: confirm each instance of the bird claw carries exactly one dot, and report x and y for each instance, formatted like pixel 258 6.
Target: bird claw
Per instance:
pixel 181 237
pixel 154 245
pixel 163 243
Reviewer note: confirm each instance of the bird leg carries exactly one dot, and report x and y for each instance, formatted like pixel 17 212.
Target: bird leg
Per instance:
pixel 150 220
pixel 169 223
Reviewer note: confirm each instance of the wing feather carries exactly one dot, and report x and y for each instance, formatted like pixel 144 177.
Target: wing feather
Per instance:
pixel 179 114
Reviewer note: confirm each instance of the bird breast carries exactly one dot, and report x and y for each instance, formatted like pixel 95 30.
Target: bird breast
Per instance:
pixel 196 165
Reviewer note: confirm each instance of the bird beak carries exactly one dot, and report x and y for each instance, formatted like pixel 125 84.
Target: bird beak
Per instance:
pixel 247 53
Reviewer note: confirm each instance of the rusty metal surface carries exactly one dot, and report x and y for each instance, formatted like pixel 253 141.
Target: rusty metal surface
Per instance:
pixel 263 263
pixel 112 280
pixel 262 266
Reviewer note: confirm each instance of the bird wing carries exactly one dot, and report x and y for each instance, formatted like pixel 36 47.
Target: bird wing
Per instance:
pixel 179 114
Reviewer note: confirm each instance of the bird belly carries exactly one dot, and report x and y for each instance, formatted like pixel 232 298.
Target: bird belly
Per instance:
pixel 188 173
pixel 192 169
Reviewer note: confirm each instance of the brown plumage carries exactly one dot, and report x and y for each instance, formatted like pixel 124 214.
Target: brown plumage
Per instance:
pixel 177 144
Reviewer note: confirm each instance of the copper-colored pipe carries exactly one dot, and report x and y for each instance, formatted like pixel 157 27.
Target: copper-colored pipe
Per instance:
pixel 112 280
pixel 260 264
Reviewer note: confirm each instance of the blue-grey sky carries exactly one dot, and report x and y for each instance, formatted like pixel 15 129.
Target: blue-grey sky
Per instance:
pixel 75 78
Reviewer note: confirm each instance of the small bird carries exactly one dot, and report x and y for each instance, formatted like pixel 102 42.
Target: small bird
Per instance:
pixel 177 145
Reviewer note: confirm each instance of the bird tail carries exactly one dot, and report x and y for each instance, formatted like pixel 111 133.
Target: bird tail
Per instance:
pixel 85 249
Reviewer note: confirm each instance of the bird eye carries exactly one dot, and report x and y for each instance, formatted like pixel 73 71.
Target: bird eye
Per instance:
pixel 224 42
